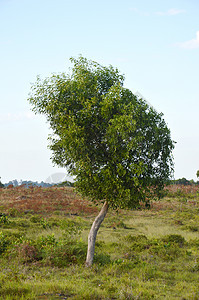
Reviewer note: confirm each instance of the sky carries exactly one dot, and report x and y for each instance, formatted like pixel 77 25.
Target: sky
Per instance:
pixel 155 44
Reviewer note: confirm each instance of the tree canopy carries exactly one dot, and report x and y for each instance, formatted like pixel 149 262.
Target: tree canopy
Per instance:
pixel 117 146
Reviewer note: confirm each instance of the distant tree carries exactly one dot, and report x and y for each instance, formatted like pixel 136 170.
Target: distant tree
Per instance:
pixel 65 183
pixel 118 147
pixel 27 183
pixel 183 181
pixel 1 184
pixel 197 174
pixel 15 182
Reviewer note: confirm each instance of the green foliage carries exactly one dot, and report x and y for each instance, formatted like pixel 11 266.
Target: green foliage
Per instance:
pixel 174 238
pixel 102 259
pixel 167 248
pixel 66 253
pixel 118 147
pixel 71 228
pixel 50 251
pixel 4 219
pixel 44 223
pixel 136 238
pixel 65 183
pixel 138 243
pixel 182 181
pixel 197 173
pixel 165 251
pixel 3 242
pixel 47 241
pixel 114 223
pixel 35 219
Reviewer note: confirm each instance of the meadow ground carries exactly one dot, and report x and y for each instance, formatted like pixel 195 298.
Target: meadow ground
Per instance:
pixel 145 254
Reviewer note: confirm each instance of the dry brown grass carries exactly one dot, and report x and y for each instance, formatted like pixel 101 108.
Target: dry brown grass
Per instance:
pixel 189 190
pixel 65 199
pixel 44 200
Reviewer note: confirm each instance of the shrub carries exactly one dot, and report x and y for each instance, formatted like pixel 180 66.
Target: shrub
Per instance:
pixel 138 243
pixel 35 219
pixel 167 251
pixel 135 238
pixel 28 253
pixel 102 259
pixel 174 238
pixel 193 228
pixel 3 242
pixel 4 219
pixel 71 228
pixel 46 241
pixel 60 253
pixel 1 184
pixel 65 253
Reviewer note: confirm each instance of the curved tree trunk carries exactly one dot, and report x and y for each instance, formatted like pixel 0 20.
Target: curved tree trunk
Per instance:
pixel 93 234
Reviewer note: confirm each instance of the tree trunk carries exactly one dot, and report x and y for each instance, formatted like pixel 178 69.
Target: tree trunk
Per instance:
pixel 93 234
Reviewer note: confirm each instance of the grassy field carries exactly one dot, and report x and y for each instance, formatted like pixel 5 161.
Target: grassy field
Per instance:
pixel 144 254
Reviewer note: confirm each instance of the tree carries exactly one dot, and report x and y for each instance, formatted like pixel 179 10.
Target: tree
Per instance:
pixel 197 173
pixel 182 181
pixel 1 184
pixel 118 147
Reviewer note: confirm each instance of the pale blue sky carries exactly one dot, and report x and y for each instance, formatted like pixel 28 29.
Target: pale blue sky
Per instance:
pixel 154 43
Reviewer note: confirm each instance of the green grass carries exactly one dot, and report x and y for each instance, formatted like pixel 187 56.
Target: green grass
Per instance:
pixel 144 254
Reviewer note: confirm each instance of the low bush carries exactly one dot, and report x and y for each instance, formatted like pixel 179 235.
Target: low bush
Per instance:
pixel 166 251
pixel 3 243
pixel 28 253
pixel 65 253
pixel 4 219
pixel 102 259
pixel 174 239
pixel 71 228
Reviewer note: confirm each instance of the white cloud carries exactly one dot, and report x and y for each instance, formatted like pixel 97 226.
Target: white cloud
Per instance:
pixel 170 12
pixel 192 44
pixel 18 116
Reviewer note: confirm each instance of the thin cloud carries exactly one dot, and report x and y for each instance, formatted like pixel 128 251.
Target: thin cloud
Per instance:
pixel 170 12
pixel 192 44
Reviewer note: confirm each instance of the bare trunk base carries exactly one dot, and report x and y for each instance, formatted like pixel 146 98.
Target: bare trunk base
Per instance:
pixel 93 234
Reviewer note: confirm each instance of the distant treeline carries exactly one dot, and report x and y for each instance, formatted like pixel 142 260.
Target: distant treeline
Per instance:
pixel 184 181
pixel 29 183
